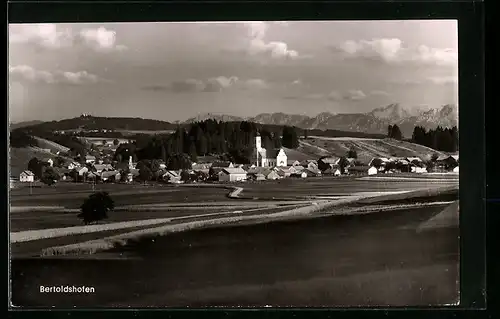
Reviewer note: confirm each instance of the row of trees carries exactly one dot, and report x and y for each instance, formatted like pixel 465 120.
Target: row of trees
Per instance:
pixel 20 139
pixel 440 139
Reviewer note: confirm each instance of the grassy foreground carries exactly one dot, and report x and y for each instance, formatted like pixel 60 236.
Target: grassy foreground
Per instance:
pixel 310 211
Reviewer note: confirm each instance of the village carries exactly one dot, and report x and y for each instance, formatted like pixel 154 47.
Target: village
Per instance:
pixel 268 165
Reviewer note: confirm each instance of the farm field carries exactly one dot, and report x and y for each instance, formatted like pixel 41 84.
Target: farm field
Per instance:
pixel 366 148
pixel 332 186
pixel 374 259
pixel 134 195
pixel 133 132
pixel 51 208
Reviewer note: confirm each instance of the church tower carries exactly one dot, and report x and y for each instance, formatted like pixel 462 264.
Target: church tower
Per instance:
pixel 130 165
pixel 258 148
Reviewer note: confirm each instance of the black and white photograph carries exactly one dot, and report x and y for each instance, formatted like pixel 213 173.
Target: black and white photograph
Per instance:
pixel 234 164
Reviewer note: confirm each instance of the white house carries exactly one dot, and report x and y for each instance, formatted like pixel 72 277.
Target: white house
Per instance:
pixel 416 169
pixel 171 176
pixel 27 177
pixel 337 172
pixel 73 165
pixel 89 159
pixel 82 170
pixel 106 175
pixel 310 164
pixel 99 168
pixel 455 170
pixel 269 158
pixel 49 161
pixel 412 159
pixel 372 170
pixel 293 163
pixel 232 175
pixel 273 175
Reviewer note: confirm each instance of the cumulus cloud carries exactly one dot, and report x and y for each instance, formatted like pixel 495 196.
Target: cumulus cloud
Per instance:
pixel 101 39
pixel 354 95
pixel 257 45
pixel 23 73
pixel 216 84
pixel 53 36
pixel 393 50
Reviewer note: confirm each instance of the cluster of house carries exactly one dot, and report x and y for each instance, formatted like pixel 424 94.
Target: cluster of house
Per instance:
pixel 268 165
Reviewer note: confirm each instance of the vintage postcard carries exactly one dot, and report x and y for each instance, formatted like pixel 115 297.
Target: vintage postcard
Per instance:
pixel 234 164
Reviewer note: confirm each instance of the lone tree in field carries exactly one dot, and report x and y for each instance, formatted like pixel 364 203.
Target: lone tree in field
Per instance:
pixel 49 176
pixel 96 207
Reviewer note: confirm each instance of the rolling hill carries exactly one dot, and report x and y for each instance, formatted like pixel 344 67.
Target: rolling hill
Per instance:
pixel 96 123
pixel 365 148
pixel 13 126
pixel 19 158
pixel 53 146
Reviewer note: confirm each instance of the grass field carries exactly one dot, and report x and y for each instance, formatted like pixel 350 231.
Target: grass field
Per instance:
pixel 53 146
pixel 375 259
pixel 19 158
pixel 133 132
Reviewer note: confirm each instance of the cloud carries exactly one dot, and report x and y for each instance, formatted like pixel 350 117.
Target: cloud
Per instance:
pixel 44 35
pixel 216 84
pixel 393 51
pixel 255 84
pixel 101 39
pixel 437 80
pixel 52 36
pixel 258 46
pixel 443 80
pixel 354 95
pixel 335 96
pixel 379 93
pixel 22 73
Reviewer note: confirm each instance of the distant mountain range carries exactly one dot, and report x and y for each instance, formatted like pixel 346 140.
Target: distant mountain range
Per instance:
pixel 374 122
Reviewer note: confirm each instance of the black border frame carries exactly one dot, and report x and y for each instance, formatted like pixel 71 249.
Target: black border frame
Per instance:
pixel 470 15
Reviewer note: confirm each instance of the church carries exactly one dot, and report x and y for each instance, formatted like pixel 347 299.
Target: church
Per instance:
pixel 269 158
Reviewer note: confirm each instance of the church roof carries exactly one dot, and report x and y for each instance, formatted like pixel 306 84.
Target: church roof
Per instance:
pixel 272 153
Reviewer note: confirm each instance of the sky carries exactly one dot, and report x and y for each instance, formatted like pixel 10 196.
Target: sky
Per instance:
pixel 174 71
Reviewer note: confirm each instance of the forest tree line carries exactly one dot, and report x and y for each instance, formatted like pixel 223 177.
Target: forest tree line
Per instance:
pixel 441 139
pixel 233 141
